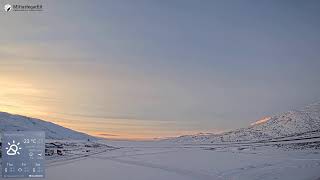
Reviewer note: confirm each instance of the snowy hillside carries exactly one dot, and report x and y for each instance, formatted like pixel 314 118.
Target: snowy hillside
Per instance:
pixel 10 122
pixel 301 122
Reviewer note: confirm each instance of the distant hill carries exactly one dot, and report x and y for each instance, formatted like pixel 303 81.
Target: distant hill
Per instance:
pixel 305 121
pixel 11 122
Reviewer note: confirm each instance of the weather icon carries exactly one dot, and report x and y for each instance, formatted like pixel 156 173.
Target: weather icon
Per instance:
pixel 7 7
pixel 13 148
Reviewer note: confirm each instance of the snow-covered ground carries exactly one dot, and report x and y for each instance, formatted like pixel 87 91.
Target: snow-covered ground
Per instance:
pixel 170 161
pixel 159 161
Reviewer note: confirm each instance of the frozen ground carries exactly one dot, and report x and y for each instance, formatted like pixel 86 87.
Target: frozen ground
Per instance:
pixel 169 161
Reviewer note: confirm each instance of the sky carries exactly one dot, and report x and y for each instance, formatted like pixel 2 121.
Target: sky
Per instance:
pixel 150 69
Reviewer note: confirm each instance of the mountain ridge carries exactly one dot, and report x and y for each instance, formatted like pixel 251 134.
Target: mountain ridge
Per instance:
pixel 300 121
pixel 15 122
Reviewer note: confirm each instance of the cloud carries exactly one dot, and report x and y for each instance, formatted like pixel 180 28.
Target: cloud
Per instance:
pixel 105 134
pixel 95 116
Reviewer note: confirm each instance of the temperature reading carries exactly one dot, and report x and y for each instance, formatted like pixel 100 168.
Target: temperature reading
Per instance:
pixel 34 141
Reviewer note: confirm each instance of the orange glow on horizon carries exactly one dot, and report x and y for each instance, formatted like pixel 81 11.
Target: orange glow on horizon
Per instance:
pixel 22 96
pixel 114 135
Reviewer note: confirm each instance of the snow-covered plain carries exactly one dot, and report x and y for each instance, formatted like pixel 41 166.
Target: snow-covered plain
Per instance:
pixel 171 161
pixel 161 161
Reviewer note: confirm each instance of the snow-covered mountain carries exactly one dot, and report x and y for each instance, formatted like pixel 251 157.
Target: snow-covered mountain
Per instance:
pixel 11 122
pixel 300 122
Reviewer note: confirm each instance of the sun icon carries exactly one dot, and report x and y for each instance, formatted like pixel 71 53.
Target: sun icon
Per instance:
pixel 13 148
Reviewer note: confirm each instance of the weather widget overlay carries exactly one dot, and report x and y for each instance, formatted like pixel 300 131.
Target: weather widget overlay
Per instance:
pixel 23 154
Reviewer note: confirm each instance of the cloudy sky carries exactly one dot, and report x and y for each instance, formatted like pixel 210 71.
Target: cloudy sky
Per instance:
pixel 145 69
